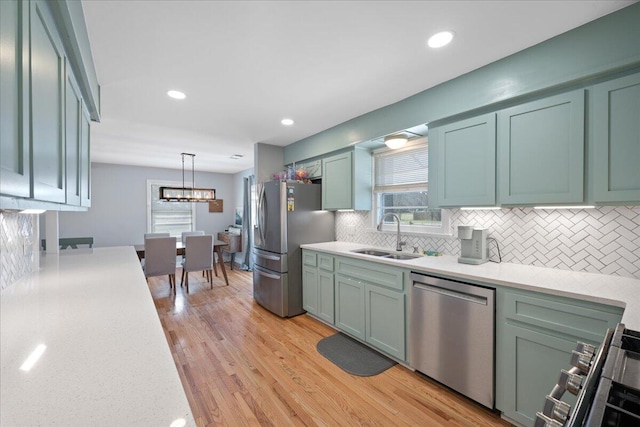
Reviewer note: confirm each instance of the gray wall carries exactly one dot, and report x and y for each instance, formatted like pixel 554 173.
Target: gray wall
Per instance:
pixel 118 213
pixel 268 159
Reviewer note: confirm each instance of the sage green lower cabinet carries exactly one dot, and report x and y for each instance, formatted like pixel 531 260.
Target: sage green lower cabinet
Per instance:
pixel 535 335
pixel 616 141
pixel 541 151
pixel 317 285
pixel 350 302
pixel 385 320
pixel 364 299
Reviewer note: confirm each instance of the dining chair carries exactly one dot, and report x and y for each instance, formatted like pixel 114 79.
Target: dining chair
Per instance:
pixel 191 233
pixel 152 235
pixel 160 258
pixel 198 256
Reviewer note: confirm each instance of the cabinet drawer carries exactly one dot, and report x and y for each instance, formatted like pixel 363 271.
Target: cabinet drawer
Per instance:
pixel 310 258
pixel 569 317
pixel 325 262
pixel 372 272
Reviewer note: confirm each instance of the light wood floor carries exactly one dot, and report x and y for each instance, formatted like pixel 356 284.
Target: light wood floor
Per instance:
pixel 241 365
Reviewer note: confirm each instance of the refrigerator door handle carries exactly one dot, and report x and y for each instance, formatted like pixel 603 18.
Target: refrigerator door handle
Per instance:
pixel 271 257
pixel 260 216
pixel 262 222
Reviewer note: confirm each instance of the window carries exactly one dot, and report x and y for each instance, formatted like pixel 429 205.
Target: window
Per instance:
pixel 168 217
pixel 401 187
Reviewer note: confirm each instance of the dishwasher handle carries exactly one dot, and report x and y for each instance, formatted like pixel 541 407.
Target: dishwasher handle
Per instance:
pixel 451 293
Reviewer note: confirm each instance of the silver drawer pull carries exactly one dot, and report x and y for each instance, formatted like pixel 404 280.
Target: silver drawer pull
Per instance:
pixel 271 257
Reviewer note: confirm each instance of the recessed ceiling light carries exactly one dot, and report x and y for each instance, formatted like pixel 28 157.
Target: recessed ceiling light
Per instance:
pixel 287 122
pixel 176 94
pixel 236 156
pixel 440 39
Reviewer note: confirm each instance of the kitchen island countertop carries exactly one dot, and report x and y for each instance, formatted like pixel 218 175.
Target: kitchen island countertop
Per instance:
pixel 600 288
pixel 106 361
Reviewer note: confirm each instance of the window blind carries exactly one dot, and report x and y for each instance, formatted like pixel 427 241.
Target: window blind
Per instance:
pixel 398 170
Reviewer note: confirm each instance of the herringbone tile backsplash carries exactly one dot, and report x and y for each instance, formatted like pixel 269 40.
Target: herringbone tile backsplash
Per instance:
pixel 17 257
pixel 602 240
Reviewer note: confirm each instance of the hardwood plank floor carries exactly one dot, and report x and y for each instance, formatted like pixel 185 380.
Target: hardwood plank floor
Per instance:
pixel 240 365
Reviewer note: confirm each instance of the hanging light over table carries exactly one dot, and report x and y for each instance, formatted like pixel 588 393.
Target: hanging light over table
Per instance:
pixel 187 194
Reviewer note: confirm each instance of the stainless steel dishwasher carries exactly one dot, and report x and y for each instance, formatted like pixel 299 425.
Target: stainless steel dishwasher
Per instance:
pixel 452 335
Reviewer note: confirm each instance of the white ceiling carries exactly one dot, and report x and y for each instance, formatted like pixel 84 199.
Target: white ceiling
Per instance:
pixel 245 65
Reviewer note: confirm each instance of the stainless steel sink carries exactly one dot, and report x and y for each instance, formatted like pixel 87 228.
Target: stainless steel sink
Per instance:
pixel 383 254
pixel 370 252
pixel 402 256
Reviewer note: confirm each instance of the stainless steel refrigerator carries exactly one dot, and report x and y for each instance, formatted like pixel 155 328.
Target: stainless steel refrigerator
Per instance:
pixel 289 214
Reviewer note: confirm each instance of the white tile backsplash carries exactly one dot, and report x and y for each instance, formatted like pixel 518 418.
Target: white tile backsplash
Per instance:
pixel 604 239
pixel 18 246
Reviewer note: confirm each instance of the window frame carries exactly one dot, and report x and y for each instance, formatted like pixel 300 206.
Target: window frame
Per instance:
pixel 150 183
pixel 443 230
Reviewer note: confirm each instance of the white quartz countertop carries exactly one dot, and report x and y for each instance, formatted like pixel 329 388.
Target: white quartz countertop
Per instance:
pixel 605 289
pixel 106 362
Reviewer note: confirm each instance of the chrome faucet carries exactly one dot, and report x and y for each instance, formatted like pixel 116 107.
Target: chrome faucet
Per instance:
pixel 399 243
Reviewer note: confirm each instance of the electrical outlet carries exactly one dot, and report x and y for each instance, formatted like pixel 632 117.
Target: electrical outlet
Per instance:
pixel 351 230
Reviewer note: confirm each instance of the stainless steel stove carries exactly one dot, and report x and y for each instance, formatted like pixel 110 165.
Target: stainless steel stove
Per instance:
pixel 606 381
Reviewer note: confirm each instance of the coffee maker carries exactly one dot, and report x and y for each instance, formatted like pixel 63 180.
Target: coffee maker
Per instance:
pixel 473 242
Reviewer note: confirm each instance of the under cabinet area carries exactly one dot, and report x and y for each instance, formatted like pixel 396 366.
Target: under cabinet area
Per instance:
pixel 535 334
pixel 365 299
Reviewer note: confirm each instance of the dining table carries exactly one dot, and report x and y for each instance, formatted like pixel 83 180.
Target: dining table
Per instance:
pixel 180 249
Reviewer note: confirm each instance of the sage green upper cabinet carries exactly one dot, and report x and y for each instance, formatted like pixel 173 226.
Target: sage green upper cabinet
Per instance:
pixel 73 114
pixel 346 181
pixel 85 157
pixel 616 141
pixel 47 107
pixel 467 162
pixel 541 151
pixel 15 177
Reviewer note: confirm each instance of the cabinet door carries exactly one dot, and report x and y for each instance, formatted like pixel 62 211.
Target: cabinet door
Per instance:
pixel 529 364
pixel 310 289
pixel 337 182
pixel 14 103
pixel 350 306
pixel 326 296
pixel 385 320
pixel 47 109
pixel 616 140
pixel 467 162
pixel 72 129
pixel 85 158
pixel 541 151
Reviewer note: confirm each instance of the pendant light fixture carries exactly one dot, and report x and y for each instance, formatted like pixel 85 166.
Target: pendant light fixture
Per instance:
pixel 395 141
pixel 187 194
